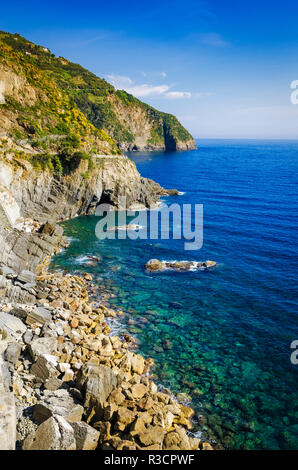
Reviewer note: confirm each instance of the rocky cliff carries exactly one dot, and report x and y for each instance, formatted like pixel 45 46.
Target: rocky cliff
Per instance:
pixel 65 382
pixel 132 124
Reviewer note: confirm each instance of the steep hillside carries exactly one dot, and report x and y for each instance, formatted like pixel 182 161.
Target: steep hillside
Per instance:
pixel 37 118
pixel 132 124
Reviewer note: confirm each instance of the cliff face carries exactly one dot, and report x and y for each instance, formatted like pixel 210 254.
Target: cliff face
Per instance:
pixel 29 198
pixel 132 124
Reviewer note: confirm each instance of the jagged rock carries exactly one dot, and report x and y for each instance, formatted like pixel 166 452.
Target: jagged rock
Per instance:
pixel 53 383
pixel 19 312
pixel 138 390
pixel 152 435
pixel 27 277
pixel 39 315
pixel 86 437
pixel 96 382
pixel 12 326
pixel 28 336
pixel 116 397
pixel 139 425
pixel 13 352
pixel 124 418
pixel 53 434
pixel 59 403
pixel 45 368
pixel 40 346
pixel 178 440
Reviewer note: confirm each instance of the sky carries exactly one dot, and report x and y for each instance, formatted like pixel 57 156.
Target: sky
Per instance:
pixel 223 67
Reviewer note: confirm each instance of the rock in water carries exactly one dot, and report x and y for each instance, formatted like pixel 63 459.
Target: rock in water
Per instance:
pixel 209 264
pixel 154 265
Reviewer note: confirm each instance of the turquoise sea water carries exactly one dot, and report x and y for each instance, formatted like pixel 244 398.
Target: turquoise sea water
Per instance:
pixel 230 328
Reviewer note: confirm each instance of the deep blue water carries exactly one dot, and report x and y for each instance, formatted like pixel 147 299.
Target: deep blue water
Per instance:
pixel 229 328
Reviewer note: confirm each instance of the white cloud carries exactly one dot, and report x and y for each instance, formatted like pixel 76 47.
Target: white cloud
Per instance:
pixel 174 95
pixel 119 81
pixel 143 90
pixel 123 82
pixel 213 39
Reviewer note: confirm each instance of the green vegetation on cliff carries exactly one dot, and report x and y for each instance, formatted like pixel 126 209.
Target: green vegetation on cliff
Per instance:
pixel 88 102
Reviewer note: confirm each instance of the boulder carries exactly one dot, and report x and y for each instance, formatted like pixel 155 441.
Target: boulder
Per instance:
pixel 96 382
pixel 13 352
pixel 41 346
pixel 138 390
pixel 152 435
pixel 60 403
pixel 124 418
pixel 137 363
pixel 26 277
pixel 209 264
pixel 39 315
pixel 86 437
pixel 178 440
pixel 45 368
pixel 154 265
pixel 53 434
pixel 12 326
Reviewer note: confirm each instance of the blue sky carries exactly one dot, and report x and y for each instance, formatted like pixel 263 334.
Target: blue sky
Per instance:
pixel 224 68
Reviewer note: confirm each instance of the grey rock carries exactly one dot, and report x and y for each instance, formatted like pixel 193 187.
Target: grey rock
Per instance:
pixel 13 352
pixel 86 436
pixel 7 272
pixel 59 403
pixel 28 336
pixel 40 346
pixel 13 326
pixel 26 276
pixel 53 434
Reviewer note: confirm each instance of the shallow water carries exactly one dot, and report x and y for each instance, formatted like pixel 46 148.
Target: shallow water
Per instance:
pixel 230 328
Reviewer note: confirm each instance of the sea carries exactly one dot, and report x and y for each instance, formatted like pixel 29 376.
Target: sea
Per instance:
pixel 223 339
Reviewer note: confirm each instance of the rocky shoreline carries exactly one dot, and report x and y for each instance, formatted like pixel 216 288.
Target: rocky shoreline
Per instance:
pixel 66 382
pixel 76 387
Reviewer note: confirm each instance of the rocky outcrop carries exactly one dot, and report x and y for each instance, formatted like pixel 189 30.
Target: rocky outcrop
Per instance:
pixel 45 198
pixel 155 265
